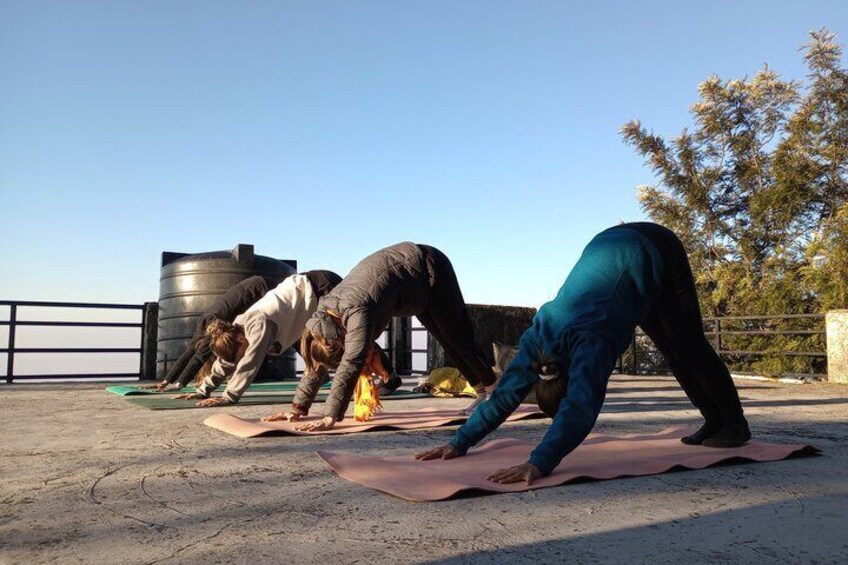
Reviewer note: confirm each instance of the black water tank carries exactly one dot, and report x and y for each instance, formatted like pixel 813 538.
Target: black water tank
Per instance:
pixel 190 284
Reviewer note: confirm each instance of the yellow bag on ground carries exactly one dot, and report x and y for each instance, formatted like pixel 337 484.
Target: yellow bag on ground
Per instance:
pixel 447 382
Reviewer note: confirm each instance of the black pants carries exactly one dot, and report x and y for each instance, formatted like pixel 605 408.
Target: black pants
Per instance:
pixel 676 328
pixel 446 318
pixel 189 363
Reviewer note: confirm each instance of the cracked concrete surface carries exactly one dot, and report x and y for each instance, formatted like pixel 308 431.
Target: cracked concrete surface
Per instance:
pixel 87 477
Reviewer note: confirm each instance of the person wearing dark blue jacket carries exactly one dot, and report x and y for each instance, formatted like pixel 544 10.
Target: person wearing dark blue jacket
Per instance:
pixel 630 275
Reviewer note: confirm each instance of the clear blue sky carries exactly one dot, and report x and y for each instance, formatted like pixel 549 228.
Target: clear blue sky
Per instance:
pixel 323 131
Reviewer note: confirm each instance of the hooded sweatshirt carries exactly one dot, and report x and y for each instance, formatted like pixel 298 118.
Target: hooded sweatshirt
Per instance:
pixel 589 324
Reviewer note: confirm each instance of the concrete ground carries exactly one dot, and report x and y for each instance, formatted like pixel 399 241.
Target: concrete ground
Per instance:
pixel 89 478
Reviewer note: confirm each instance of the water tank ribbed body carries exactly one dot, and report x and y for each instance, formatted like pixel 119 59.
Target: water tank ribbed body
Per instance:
pixel 190 284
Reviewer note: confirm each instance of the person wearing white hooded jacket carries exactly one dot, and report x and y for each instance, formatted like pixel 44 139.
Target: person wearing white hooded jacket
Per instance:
pixel 273 324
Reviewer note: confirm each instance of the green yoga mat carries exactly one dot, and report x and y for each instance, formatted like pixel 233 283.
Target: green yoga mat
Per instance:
pixel 135 390
pixel 166 402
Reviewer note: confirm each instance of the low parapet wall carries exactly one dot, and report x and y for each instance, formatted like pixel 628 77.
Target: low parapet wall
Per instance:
pixel 503 324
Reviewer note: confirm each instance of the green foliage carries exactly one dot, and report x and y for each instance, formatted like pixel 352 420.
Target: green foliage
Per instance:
pixel 757 189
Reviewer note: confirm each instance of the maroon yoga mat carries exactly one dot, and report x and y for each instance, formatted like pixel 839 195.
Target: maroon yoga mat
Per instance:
pixel 409 420
pixel 599 457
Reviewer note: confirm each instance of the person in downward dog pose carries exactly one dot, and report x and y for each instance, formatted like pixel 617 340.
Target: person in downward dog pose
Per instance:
pixel 235 301
pixel 630 275
pixel 402 280
pixel 272 324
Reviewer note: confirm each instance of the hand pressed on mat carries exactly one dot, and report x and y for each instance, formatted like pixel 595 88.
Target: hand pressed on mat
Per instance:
pixel 212 402
pixel 442 452
pixel 189 396
pixel 283 416
pixel 526 472
pixel 321 425
pixel 158 387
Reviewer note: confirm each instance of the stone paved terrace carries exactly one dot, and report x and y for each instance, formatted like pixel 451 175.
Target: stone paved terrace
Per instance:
pixel 89 478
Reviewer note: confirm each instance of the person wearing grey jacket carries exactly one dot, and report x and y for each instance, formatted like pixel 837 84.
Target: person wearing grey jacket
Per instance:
pixel 402 280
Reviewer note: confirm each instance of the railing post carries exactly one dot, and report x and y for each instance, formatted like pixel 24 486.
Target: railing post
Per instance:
pixel 149 334
pixel 401 345
pixel 389 347
pixel 718 336
pixel 10 358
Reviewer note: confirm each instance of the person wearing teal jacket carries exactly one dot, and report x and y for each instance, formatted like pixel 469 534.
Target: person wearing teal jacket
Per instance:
pixel 630 275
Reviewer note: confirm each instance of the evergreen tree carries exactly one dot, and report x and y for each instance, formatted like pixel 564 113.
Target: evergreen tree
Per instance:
pixel 758 192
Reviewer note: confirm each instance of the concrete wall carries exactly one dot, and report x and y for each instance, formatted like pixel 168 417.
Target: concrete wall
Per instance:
pixel 503 324
pixel 837 346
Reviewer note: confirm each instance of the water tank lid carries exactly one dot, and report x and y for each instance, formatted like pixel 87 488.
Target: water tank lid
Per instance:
pixel 169 257
pixel 243 253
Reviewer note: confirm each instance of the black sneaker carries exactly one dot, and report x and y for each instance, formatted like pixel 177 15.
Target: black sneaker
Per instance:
pixel 732 435
pixel 707 430
pixel 392 385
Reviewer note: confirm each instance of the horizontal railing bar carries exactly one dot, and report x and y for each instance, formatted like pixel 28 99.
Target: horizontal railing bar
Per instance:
pixel 72 305
pixel 769 332
pixel 645 350
pixel 77 324
pixel 17 350
pixel 78 376
pixel 768 317
pixel 778 353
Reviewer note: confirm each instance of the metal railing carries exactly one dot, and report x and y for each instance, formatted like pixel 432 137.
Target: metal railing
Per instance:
pixel 399 346
pixel 728 333
pixel 14 322
pixel 641 357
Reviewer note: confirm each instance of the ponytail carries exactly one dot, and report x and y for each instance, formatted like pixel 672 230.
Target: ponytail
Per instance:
pixel 223 339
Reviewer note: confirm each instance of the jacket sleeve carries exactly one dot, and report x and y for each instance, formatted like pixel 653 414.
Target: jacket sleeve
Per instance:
pixel 358 337
pixel 214 379
pixel 307 390
pixel 592 362
pixel 517 382
pixel 259 332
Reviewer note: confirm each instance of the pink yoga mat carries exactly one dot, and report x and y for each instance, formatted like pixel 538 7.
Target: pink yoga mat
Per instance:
pixel 409 420
pixel 599 457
